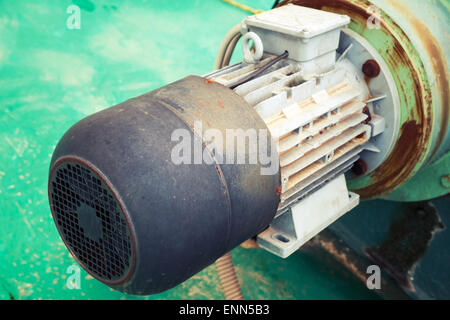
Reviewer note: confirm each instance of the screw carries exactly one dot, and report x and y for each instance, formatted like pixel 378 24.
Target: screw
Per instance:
pixel 371 68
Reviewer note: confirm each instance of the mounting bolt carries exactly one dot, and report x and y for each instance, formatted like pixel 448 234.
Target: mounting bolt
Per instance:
pixel 359 167
pixel 371 68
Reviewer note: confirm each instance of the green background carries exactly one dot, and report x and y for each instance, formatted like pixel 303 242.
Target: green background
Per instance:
pixel 51 77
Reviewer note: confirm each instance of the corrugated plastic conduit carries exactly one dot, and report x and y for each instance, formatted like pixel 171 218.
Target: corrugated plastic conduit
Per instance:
pixel 228 279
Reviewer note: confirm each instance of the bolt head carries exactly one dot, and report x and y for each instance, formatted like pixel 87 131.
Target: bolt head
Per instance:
pixel 359 167
pixel 371 68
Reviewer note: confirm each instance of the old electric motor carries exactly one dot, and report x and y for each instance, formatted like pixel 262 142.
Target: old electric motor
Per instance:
pixel 312 98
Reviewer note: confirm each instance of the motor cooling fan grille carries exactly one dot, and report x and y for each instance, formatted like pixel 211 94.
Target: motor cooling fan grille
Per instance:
pixel 91 221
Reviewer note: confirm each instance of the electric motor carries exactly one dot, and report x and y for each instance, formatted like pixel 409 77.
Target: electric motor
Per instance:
pixel 149 192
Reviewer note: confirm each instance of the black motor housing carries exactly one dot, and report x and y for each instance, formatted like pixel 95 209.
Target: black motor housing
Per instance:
pixel 139 222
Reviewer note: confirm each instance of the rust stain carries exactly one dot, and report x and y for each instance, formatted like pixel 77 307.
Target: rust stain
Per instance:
pixel 370 96
pixel 366 111
pixel 278 190
pixel 220 103
pixel 202 104
pixel 219 172
pixel 338 6
pixel 342 258
pixel 371 68
pixel 439 65
pixel 415 133
pixel 396 168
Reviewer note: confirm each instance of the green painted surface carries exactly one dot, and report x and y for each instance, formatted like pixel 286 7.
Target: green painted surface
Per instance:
pixel 51 77
pixel 435 177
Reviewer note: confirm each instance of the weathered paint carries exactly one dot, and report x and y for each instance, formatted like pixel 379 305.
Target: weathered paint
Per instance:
pixel 354 262
pixel 50 77
pixel 422 92
pixel 409 241
pixel 427 24
pixel 432 177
